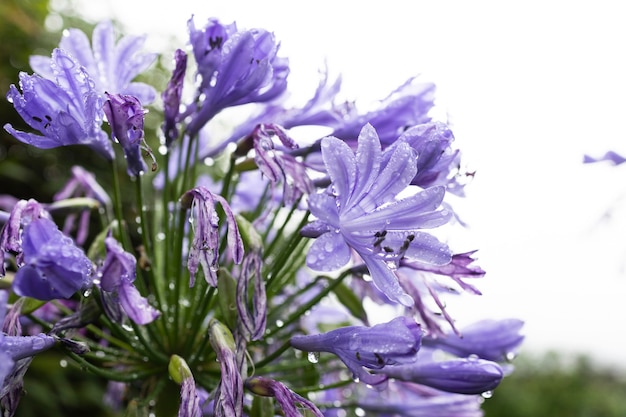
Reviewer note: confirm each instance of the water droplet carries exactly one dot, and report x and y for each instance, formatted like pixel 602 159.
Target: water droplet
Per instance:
pixel 313 357
pixel 279 323
pixel 510 356
pixel 160 237
pixel 487 394
pixel 63 363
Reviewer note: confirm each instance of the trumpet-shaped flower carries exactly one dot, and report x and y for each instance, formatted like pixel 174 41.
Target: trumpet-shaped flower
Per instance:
pixel 53 266
pixel 111 66
pixel 359 347
pixel 360 211
pixel 237 67
pixel 66 108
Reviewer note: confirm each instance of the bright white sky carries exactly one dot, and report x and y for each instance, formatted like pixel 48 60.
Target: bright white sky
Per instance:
pixel 529 87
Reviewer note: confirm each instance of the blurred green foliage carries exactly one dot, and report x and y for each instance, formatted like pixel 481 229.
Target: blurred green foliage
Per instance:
pixel 554 385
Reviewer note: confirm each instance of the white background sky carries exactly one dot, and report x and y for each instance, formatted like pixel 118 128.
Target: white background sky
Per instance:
pixel 529 87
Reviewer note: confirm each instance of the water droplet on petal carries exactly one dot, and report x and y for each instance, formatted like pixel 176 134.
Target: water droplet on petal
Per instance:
pixel 487 394
pixel 313 357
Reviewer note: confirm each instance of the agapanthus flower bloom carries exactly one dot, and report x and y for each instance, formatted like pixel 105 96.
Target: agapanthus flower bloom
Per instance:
pixel 237 67
pixel 286 398
pixel 461 376
pixel 360 212
pixel 116 278
pixel 610 156
pixel 125 115
pixel 110 66
pixel 51 265
pixel 205 244
pixel 359 347
pixel 66 108
pixel 494 340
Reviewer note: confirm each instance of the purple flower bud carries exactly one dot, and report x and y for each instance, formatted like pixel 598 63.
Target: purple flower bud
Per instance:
pixel 189 399
pixel 171 98
pixel 284 396
pixel 125 115
pixel 229 396
pixel 252 317
pixel 494 340
pixel 53 267
pixel 359 347
pixel 116 277
pixel 462 376
pixel 205 244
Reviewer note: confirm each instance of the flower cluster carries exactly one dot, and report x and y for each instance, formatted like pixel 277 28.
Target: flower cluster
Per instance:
pixel 232 261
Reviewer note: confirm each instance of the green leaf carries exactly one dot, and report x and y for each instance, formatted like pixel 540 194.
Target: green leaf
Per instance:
pixel 353 303
pixel 262 407
pixel 227 298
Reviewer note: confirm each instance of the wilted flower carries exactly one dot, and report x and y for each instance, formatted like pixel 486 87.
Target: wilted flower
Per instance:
pixel 287 399
pixel 360 211
pixel 171 97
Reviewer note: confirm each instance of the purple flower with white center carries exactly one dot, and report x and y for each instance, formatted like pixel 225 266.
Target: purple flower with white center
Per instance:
pixel 125 115
pixel 610 156
pixel 494 340
pixel 66 108
pixel 280 166
pixel 286 398
pixel 359 347
pixel 111 66
pixel 116 278
pixel 171 98
pixel 205 243
pixel 360 212
pixel 229 395
pixel 52 265
pixel 237 67
pixel 461 376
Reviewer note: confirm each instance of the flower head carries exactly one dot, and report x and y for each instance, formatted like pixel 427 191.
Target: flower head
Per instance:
pixel 171 97
pixel 52 265
pixel 360 212
pixel 237 67
pixel 111 66
pixel 66 108
pixel 367 347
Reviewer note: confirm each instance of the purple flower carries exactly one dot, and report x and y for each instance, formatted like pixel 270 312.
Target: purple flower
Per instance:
pixel 125 115
pixel 237 67
pixel 111 66
pixel 205 244
pixel 285 397
pixel 610 156
pixel 252 317
pixel 360 212
pixel 52 265
pixel 494 340
pixel 116 278
pixel 189 398
pixel 359 347
pixel 66 108
pixel 461 376
pixel 171 98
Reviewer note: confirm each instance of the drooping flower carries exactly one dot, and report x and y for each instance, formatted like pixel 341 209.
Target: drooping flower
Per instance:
pixel 286 398
pixel 252 315
pixel 205 244
pixel 171 98
pixel 359 347
pixel 111 66
pixel 494 340
pixel 52 265
pixel 461 376
pixel 360 212
pixel 229 396
pixel 125 115
pixel 237 67
pixel 116 278
pixel 66 108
